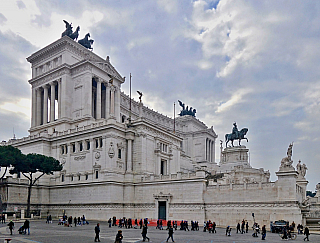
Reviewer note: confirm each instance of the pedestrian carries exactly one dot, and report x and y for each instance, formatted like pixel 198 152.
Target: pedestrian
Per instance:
pixel 228 231
pixel 238 228
pixel 50 219
pixel 11 225
pixel 119 237
pixel 75 221
pixel 170 233
pixel 144 233
pixel 109 222
pixel 3 219
pixel 306 233
pixel 97 231
pixel 243 223
pixel 214 227
pixel 247 227
pixel 263 232
pixel 70 221
pixel 26 227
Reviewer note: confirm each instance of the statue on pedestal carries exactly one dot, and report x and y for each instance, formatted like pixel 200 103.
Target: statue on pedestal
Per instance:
pixel 236 135
pixel 286 162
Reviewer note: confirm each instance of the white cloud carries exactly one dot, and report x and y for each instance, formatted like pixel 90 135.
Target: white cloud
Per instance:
pixel 20 106
pixel 169 6
pixel 235 99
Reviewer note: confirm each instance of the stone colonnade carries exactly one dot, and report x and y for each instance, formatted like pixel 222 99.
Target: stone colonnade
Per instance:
pixel 40 107
pixel 105 99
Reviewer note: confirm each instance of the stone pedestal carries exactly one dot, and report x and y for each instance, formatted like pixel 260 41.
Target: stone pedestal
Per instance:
pixel 301 181
pixel 287 180
pixel 234 156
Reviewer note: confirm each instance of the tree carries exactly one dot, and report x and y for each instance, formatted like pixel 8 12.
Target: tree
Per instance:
pixel 33 167
pixel 9 156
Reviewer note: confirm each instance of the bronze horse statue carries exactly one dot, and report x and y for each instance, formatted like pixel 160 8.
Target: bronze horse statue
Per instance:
pixel 75 35
pixel 232 136
pixel 86 42
pixel 68 30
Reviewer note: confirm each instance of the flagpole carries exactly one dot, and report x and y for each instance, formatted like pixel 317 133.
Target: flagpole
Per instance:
pixel 130 103
pixel 174 117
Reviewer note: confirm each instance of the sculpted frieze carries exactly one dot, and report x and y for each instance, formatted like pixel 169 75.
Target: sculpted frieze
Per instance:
pixel 81 69
pixel 51 77
pixel 47 54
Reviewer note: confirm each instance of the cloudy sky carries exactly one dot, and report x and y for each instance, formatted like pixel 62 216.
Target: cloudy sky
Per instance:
pixel 253 62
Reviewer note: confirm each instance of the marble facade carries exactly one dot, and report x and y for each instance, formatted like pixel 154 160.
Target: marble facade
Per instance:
pixel 113 167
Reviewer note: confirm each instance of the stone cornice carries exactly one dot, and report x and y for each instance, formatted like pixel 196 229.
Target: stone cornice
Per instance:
pixel 65 43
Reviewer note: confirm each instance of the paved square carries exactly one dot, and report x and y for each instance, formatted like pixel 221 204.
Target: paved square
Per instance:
pixel 54 233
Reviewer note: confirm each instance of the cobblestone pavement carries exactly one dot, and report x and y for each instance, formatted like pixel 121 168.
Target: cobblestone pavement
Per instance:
pixel 53 233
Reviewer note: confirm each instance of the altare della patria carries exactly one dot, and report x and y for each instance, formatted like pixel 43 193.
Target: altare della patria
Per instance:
pixel 121 158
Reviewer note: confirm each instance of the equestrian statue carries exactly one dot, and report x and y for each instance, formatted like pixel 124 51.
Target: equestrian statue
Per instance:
pixel 74 35
pixel 236 135
pixel 187 111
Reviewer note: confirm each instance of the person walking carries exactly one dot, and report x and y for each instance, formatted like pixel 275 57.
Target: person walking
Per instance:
pixel 263 232
pixel 306 233
pixel 26 226
pixel 75 221
pixel 144 233
pixel 11 225
pixel 97 231
pixel 119 237
pixel 170 233
pixel 238 228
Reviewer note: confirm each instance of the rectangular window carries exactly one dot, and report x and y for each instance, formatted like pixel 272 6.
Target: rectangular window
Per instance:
pixel 79 177
pixel 73 148
pixel 66 149
pixel 101 144
pixel 87 177
pixel 88 145
pixel 97 174
pixel 62 149
pixel 71 178
pixel 119 153
pixel 97 143
pixel 62 178
pixel 163 170
pixel 80 146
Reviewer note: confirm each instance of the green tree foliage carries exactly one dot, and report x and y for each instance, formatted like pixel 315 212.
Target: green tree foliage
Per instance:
pixel 9 156
pixel 33 167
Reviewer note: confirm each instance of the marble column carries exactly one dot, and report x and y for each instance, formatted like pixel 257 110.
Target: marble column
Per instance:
pixel 112 101
pixel 59 98
pixel 117 104
pixel 38 116
pixel 34 108
pixel 129 156
pixel 52 101
pixel 45 104
pixel 107 101
pixel 98 100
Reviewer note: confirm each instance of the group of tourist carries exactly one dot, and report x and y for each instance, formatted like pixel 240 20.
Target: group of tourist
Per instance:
pixel 23 228
pixel 68 221
pixel 210 226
